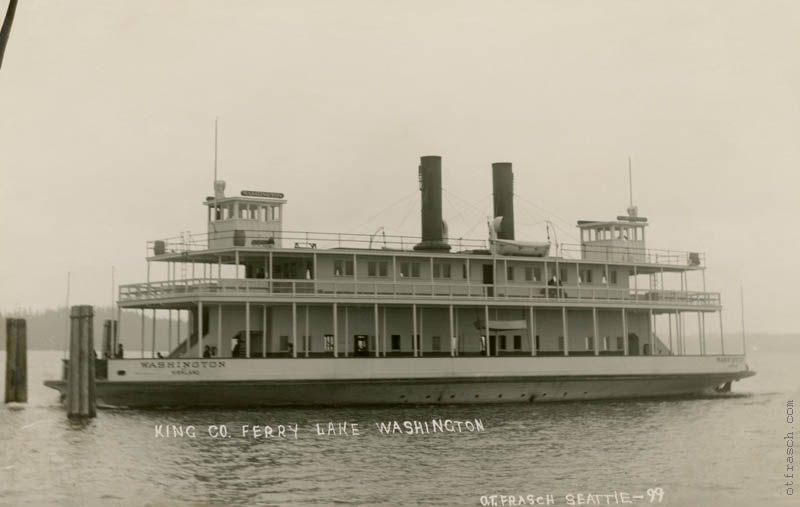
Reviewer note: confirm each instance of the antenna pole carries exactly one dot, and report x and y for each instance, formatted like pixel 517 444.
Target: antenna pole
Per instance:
pixel 216 137
pixel 214 185
pixel 630 180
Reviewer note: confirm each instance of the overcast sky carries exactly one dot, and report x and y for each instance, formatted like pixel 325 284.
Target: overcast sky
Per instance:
pixel 107 110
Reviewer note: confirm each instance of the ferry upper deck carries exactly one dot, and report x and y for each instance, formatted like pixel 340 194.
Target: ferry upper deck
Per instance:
pixel 247 261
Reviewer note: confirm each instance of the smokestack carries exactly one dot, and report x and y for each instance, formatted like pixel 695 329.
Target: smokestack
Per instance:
pixel 430 184
pixel 503 187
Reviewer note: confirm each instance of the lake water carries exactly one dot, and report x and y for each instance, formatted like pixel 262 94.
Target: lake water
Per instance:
pixel 699 451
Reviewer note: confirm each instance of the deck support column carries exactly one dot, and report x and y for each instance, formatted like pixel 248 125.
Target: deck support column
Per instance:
pixel 199 330
pixel 307 339
pixel 565 329
pixel 335 330
pixel 153 337
pixel 486 328
pixel 219 329
pixel 669 323
pixel 414 329
pixel 595 332
pixel 384 331
pixel 346 330
pixel 263 330
pixel 459 346
pixel 452 333
pixel 177 331
pixel 532 327
pixel 247 329
pixel 625 333
pixel 118 331
pixel 421 345
pixel 294 329
pixel 377 333
pixel 236 261
pixel 700 336
pixel 652 334
pixel 169 333
pixel 721 336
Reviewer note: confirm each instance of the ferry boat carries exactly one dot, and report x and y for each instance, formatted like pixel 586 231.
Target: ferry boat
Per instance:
pixel 274 317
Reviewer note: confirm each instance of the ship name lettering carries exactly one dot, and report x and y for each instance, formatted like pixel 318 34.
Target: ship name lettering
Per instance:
pixel 182 364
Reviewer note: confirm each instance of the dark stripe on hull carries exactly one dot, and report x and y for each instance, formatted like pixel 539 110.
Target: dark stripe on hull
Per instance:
pixel 401 391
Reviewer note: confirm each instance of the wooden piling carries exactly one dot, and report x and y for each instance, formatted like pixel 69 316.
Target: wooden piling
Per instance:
pixel 16 361
pixel 81 388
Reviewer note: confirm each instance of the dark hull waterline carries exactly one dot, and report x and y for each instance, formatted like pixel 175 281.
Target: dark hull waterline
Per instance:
pixel 270 393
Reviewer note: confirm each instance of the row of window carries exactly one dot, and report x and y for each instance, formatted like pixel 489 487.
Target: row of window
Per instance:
pixel 436 343
pixel 265 213
pixel 380 269
pixel 604 343
pixel 534 274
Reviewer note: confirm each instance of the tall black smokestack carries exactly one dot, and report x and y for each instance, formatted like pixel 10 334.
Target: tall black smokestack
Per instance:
pixel 430 184
pixel 503 185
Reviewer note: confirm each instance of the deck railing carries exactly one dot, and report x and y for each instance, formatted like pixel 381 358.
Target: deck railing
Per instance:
pixel 402 290
pixel 191 242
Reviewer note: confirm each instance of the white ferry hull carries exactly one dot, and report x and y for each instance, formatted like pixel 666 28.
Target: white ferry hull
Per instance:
pixel 496 381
